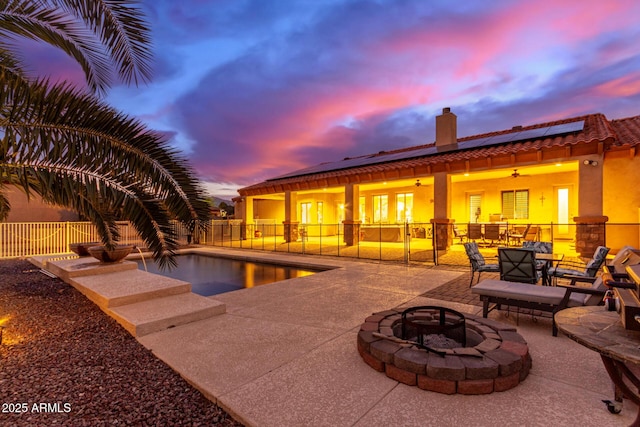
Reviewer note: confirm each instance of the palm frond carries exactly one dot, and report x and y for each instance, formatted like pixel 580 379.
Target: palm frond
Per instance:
pixel 5 205
pixel 74 150
pixel 121 28
pixel 56 130
pixel 56 27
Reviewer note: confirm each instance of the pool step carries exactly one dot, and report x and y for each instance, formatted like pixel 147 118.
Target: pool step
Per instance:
pixel 141 302
pixel 127 287
pixel 67 266
pixel 143 318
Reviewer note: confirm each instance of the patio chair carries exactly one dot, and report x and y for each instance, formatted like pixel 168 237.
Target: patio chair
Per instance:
pixel 478 263
pixel 566 269
pixel 532 234
pixel 539 247
pixel 474 232
pixel 492 233
pixel 459 234
pixel 542 248
pixel 518 265
pixel 519 236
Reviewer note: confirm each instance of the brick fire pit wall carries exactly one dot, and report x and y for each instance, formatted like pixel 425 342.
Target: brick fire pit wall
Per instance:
pixel 496 357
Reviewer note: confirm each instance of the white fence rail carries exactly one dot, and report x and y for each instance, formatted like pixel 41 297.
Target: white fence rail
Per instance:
pixel 23 239
pixel 20 239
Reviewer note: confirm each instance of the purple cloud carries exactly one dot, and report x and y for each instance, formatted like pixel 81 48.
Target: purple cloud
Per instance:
pixel 253 89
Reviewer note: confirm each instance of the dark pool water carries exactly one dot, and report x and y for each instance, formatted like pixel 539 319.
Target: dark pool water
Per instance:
pixel 211 276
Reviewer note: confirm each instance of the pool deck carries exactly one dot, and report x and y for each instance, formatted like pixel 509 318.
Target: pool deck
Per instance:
pixel 285 355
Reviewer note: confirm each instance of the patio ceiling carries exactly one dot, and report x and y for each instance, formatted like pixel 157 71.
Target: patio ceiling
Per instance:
pixel 570 166
pixel 501 173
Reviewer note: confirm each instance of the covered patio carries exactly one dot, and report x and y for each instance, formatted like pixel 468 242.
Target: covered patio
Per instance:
pixel 552 176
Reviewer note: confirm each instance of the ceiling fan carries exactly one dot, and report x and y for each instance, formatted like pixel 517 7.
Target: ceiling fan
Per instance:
pixel 517 174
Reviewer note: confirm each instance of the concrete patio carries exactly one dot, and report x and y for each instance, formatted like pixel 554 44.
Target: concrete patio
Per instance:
pixel 285 354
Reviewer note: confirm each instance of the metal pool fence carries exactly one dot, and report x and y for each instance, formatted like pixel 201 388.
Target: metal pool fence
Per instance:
pixel 404 243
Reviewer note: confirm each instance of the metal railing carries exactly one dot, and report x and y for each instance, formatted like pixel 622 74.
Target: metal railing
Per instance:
pixel 405 243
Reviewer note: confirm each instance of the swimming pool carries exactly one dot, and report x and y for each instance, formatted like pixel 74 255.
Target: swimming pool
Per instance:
pixel 210 275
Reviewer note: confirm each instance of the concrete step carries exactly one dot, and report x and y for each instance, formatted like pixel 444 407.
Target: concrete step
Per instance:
pixel 143 318
pixel 67 266
pixel 127 287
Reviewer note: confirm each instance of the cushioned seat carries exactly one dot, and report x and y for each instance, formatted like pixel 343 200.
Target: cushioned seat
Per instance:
pixel 539 294
pixel 544 298
pixel 478 262
pixel 569 269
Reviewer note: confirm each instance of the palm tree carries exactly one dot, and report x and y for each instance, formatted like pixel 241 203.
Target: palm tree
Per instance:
pixel 66 145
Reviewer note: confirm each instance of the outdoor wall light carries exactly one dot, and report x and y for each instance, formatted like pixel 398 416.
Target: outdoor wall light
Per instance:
pixel 418 184
pixel 591 162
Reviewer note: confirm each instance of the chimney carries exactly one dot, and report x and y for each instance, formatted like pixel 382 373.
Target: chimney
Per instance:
pixel 446 129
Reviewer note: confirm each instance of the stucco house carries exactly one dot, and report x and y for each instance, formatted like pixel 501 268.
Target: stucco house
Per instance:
pixel 575 174
pixel 34 209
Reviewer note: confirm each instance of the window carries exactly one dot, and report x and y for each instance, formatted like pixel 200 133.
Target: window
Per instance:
pixel 515 204
pixel 305 212
pixel 404 207
pixel 362 211
pixel 381 208
pixel 319 213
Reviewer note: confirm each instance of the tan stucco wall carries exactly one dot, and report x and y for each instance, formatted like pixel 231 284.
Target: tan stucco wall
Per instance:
pixel 269 209
pixel 422 202
pixel 542 203
pixel 330 212
pixel 540 211
pixel 621 200
pixel 34 209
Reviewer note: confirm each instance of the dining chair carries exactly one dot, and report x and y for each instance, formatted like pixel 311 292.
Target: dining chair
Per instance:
pixel 459 234
pixel 543 264
pixel 518 265
pixel 474 232
pixel 539 247
pixel 519 236
pixel 478 262
pixel 492 233
pixel 566 269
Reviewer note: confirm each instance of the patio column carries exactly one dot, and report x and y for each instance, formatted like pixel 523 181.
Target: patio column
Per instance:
pixel 351 214
pixel 442 210
pixel 246 214
pixel 590 222
pixel 290 216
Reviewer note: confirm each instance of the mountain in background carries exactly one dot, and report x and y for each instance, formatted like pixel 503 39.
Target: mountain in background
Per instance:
pixel 218 200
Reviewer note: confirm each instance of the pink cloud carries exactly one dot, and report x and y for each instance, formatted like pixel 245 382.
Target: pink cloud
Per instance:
pixel 624 86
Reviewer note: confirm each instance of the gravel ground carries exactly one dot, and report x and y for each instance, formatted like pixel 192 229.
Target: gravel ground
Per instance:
pixel 63 362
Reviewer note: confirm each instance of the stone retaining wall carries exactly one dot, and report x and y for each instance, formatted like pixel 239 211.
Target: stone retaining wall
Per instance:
pixel 498 360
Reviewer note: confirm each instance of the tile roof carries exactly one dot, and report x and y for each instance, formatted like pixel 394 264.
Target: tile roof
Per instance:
pixel 597 129
pixel 627 131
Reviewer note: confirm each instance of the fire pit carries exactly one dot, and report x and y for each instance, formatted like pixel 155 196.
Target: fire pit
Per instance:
pixel 430 327
pixel 442 350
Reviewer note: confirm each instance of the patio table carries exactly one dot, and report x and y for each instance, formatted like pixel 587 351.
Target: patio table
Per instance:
pixel 550 259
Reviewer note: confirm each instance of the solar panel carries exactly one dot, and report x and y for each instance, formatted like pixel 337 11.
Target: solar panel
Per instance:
pixel 489 141
pixel 474 143
pixel 530 134
pixel 566 128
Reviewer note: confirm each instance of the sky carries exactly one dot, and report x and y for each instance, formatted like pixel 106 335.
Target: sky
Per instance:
pixel 251 89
